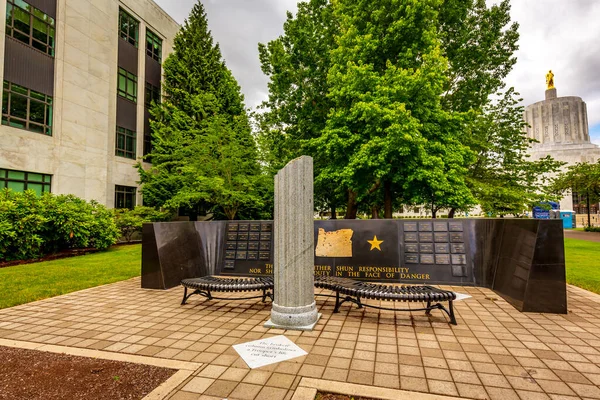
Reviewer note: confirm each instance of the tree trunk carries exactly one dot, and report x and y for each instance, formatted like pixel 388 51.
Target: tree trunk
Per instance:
pixel 433 212
pixel 352 207
pixel 387 203
pixel 451 213
pixel 333 212
pixel 588 207
pixel 375 212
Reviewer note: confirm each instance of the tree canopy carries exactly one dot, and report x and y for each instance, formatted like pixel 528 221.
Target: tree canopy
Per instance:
pixel 204 158
pixel 394 100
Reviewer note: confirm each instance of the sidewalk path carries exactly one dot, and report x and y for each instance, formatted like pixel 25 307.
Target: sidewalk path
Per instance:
pixel 589 236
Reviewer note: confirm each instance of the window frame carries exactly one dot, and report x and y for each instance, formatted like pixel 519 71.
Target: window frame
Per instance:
pixel 126 35
pixel 151 93
pixel 124 191
pixel 35 14
pixel 153 46
pixel 46 181
pixel 130 80
pixel 124 151
pixel 9 92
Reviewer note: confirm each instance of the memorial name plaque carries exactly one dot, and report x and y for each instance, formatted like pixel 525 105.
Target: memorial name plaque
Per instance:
pixel 268 351
pixel 384 250
pixel 248 248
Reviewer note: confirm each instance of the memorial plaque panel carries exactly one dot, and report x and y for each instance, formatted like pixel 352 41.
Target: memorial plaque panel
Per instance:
pixel 425 226
pixel 410 227
pixel 427 259
pixel 459 270
pixel 457 237
pixel 441 237
pixel 411 248
pixel 411 258
pixel 459 259
pixel 229 264
pixel 440 226
pixel 455 226
pixel 425 237
pixel 426 247
pixel 458 247
pixel 410 237
pixel 244 254
pixel 442 259
pixel 442 248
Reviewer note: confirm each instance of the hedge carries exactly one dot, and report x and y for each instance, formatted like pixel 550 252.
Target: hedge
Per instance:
pixel 33 226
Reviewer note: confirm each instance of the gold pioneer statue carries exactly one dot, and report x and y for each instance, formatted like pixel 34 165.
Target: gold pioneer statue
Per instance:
pixel 550 80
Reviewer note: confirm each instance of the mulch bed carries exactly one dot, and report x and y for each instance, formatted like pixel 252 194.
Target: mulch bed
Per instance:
pixel 332 396
pixel 33 375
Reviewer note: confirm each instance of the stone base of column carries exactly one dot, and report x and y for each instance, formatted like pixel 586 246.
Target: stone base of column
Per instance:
pixel 302 318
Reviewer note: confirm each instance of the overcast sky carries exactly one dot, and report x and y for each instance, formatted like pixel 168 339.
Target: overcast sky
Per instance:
pixel 555 34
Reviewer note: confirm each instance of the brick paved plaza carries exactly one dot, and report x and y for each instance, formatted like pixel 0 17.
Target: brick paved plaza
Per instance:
pixel 495 352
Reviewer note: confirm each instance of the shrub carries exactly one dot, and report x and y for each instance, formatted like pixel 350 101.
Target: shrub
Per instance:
pixel 130 221
pixel 32 226
pixel 592 228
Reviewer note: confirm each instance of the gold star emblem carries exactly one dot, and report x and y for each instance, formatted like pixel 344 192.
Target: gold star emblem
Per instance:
pixel 375 243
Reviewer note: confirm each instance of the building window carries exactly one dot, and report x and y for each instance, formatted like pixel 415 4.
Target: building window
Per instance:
pixel 19 181
pixel 127 85
pixel 26 109
pixel 147 145
pixel 153 46
pixel 124 197
pixel 129 28
pixel 126 143
pixel 30 25
pixel 152 94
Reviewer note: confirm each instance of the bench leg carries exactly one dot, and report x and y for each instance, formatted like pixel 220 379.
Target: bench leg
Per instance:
pixel 452 317
pixel 184 296
pixel 337 302
pixel 358 303
pixel 266 294
pixel 428 311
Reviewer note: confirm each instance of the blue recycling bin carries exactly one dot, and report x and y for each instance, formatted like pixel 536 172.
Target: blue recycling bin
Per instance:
pixel 567 217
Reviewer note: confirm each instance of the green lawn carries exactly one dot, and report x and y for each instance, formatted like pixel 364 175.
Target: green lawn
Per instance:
pixel 583 264
pixel 25 283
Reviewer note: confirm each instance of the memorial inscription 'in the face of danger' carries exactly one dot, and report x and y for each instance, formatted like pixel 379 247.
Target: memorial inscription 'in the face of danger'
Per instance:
pixel 259 353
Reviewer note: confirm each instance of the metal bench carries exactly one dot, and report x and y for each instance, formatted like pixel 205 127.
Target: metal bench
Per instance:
pixel 205 285
pixel 354 291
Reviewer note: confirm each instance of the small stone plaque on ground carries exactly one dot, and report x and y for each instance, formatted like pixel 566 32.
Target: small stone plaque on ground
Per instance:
pixel 259 353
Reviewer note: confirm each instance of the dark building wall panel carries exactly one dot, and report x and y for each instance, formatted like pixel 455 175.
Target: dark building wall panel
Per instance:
pixel 153 71
pixel 126 114
pixel 128 57
pixel 28 67
pixel 146 121
pixel 47 6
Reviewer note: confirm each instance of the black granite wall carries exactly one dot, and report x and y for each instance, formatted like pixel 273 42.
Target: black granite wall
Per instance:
pixel 520 259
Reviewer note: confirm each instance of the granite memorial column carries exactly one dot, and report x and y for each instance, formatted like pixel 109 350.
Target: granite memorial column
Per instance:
pixel 294 305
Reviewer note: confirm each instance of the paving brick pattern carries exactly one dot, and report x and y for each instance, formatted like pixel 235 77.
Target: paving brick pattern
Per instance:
pixel 495 352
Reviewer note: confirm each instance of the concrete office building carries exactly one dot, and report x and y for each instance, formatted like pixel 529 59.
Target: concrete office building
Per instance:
pixel 78 76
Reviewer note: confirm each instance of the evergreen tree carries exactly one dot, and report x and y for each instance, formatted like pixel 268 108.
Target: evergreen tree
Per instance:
pixel 204 158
